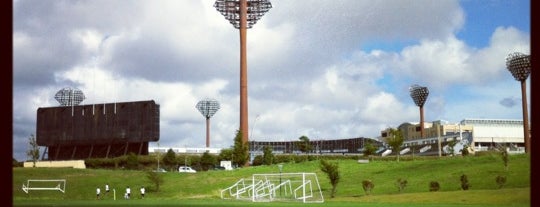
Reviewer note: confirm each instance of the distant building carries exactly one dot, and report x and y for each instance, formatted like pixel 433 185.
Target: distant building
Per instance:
pixel 320 146
pixel 472 134
pixel 488 133
pixel 185 150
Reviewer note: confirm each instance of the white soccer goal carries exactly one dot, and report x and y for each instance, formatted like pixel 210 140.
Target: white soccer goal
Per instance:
pixel 277 187
pixel 45 184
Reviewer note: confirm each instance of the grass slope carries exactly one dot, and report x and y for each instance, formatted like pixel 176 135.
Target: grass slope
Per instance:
pixel 203 188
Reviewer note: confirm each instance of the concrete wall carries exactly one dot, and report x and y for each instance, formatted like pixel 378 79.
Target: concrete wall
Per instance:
pixel 67 163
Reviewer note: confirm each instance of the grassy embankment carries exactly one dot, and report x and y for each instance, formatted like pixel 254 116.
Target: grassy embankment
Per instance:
pixel 203 188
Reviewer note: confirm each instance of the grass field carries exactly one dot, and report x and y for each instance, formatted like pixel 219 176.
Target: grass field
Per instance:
pixel 203 188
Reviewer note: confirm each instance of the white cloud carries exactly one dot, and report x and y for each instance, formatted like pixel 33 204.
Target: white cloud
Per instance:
pixel 91 39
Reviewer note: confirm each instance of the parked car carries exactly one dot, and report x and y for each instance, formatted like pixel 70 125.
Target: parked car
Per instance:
pixel 186 169
pixel 160 170
pixel 217 167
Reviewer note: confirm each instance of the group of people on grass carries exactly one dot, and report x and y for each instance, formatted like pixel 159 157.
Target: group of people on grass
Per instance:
pixel 127 195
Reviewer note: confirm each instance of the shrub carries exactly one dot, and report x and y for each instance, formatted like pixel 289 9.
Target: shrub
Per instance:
pixel 401 184
pixel 258 160
pixel 464 182
pixel 434 186
pixel 132 161
pixel 504 155
pixel 300 158
pixel 501 180
pixel 368 186
pixel 283 158
pixel 465 150
pixel 155 178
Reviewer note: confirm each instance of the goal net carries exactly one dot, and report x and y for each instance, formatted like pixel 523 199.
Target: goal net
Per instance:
pixel 302 187
pixel 45 184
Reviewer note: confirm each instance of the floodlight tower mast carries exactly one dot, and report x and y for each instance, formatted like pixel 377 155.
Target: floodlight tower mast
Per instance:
pixel 208 107
pixel 243 14
pixel 419 95
pixel 519 65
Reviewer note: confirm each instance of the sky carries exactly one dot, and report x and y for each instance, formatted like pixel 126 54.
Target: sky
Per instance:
pixel 326 69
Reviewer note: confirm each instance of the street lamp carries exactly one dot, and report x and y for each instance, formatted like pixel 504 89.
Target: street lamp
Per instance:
pixel 280 166
pixel 243 14
pixel 254 122
pixel 519 65
pixel 419 95
pixel 251 134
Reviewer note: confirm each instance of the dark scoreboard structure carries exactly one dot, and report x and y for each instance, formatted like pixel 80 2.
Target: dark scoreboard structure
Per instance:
pixel 97 130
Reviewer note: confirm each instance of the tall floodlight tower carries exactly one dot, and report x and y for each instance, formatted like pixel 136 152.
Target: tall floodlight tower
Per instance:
pixel 243 14
pixel 419 95
pixel 519 65
pixel 208 107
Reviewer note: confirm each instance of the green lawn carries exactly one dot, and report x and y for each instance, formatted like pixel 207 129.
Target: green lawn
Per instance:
pixel 203 188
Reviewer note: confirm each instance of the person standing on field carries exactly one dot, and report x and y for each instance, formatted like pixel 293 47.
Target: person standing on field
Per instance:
pixel 98 191
pixel 106 188
pixel 142 192
pixel 128 192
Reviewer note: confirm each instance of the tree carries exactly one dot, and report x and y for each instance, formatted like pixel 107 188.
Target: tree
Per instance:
pixel 268 157
pixel 207 161
pixel 226 154
pixel 332 171
pixel 465 150
pixel 504 156
pixel 132 161
pixel 304 145
pixel 33 150
pixel 155 178
pixel 169 160
pixel 369 149
pixel 240 150
pixel 16 163
pixel 451 146
pixel 395 140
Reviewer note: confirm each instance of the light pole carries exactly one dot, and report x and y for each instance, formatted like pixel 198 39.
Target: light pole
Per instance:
pixel 243 14
pixel 157 157
pixel 208 107
pixel 251 134
pixel 254 122
pixel 419 95
pixel 519 65
pixel 280 166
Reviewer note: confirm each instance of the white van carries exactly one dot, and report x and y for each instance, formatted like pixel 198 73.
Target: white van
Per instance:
pixel 226 164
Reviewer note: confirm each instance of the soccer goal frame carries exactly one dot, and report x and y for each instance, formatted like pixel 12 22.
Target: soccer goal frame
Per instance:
pixel 302 187
pixel 44 184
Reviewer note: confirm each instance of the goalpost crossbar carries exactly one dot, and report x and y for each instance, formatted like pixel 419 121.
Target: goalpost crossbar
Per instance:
pixel 61 186
pixel 302 187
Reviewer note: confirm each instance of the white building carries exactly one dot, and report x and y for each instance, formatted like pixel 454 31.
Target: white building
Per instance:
pixel 491 132
pixel 477 134
pixel 185 150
